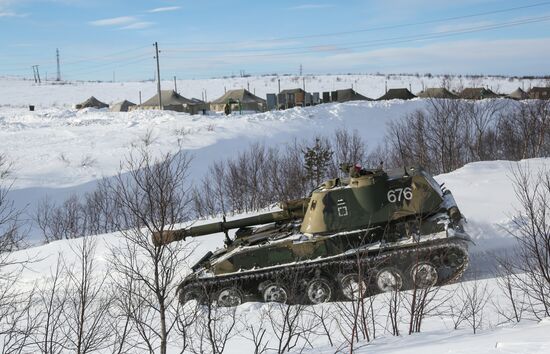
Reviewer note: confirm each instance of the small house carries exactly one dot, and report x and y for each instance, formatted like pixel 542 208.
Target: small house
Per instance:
pixel 292 98
pixel 397 94
pixel 170 100
pixel 123 106
pixel 91 102
pixel 477 93
pixel 540 93
pixel 238 100
pixel 348 95
pixel 436 92
pixel 518 94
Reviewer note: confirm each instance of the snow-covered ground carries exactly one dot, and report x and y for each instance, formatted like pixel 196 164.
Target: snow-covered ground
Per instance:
pixel 21 93
pixel 483 191
pixel 64 147
pixel 57 151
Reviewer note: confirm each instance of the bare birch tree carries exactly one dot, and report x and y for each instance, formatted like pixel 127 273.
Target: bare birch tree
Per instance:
pixel 85 310
pixel 532 231
pixel 153 197
pixel 49 336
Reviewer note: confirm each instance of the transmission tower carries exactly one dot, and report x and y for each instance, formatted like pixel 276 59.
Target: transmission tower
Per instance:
pixel 36 73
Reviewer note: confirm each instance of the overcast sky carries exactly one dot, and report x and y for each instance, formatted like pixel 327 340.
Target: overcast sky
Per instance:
pixel 212 38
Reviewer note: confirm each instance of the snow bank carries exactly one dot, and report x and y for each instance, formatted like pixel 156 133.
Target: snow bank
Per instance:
pixel 57 148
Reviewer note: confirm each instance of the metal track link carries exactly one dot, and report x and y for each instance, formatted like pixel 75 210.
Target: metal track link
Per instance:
pixel 368 261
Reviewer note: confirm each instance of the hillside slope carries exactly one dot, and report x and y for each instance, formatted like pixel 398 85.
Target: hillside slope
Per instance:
pixel 484 192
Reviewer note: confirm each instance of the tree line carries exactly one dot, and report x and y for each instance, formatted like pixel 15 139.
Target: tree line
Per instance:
pixel 448 133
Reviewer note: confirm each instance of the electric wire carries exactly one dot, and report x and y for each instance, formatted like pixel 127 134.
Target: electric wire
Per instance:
pixel 338 47
pixel 111 67
pixel 113 59
pixel 382 28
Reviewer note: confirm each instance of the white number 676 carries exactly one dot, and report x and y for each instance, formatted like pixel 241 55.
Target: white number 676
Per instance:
pixel 398 194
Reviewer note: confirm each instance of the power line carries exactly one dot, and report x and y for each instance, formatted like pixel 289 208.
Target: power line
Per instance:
pixel 338 47
pixel 479 28
pixel 106 56
pixel 106 66
pixel 453 18
pixel 387 27
pixel 126 60
pixel 85 59
pixel 113 59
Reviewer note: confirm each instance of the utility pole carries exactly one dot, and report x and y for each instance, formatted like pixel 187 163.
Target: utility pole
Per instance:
pixel 248 86
pixel 34 74
pixel 175 85
pixel 58 66
pixel 158 74
pixel 278 93
pixel 140 97
pixel 301 69
pixel 304 83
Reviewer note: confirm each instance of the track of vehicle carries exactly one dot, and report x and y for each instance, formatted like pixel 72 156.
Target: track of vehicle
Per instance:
pixel 448 256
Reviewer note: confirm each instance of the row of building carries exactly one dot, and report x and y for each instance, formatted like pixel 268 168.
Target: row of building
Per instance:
pixel 243 100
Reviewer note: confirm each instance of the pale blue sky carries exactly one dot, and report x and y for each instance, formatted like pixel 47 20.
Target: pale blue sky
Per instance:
pixel 212 38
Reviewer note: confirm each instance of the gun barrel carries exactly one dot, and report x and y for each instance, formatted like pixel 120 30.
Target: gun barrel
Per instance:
pixel 291 210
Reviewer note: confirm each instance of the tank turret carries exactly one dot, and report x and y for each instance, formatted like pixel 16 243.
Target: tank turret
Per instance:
pixel 371 197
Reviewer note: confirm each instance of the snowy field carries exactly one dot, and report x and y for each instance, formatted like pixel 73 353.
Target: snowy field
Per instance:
pixel 57 151
pixel 20 93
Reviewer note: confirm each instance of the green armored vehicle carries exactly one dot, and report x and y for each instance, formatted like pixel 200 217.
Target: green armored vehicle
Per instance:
pixel 372 232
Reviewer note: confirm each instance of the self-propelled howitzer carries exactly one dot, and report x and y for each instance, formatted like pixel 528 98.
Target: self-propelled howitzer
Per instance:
pixel 374 231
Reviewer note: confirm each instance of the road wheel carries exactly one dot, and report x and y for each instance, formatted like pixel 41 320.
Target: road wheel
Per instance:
pixel 318 291
pixel 275 292
pixel 388 279
pixel 229 297
pixel 352 287
pixel 424 275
